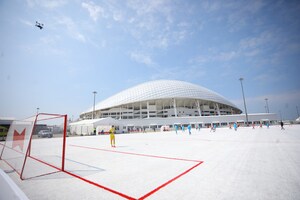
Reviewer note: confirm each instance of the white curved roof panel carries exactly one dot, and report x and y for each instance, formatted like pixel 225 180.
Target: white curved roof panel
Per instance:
pixel 161 89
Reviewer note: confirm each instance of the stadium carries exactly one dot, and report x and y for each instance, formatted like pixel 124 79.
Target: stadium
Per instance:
pixel 163 103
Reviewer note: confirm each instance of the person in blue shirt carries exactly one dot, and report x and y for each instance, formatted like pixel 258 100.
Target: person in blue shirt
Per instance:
pixel 189 128
pixel 176 128
pixel 235 126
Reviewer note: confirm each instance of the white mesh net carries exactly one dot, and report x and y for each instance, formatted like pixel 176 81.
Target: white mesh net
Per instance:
pixel 34 146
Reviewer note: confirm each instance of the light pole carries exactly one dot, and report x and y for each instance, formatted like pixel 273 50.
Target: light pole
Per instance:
pixel 94 104
pixel 37 110
pixel 241 79
pixel 266 109
pixel 267 106
pixel 280 115
pixel 297 111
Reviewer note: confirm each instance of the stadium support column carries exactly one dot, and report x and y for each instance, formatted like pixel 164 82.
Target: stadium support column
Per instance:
pixel 148 114
pixel 175 109
pixel 199 109
pixel 141 110
pixel 218 109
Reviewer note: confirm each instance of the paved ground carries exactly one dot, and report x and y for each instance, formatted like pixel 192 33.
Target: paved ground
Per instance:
pixel 226 164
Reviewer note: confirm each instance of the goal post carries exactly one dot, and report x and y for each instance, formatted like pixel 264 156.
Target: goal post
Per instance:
pixel 36 146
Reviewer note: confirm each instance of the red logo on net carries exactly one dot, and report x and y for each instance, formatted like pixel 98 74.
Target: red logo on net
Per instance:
pixel 18 139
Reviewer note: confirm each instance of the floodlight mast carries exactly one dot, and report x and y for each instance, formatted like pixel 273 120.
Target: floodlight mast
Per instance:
pixel 267 105
pixel 241 79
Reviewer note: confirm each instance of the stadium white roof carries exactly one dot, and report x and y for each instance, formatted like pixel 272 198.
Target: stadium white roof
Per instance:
pixel 161 89
pixel 101 121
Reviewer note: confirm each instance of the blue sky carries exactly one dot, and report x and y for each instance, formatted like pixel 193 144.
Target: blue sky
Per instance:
pixel 108 46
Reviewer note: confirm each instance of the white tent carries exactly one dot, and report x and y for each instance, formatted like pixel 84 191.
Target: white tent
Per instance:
pixel 87 127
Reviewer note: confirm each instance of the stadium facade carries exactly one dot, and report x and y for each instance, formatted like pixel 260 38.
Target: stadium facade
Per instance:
pixel 162 99
pixel 167 102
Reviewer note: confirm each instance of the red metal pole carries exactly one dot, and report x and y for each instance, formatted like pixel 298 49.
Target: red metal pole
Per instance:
pixel 28 148
pixel 64 144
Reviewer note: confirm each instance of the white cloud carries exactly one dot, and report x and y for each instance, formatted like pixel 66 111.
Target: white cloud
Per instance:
pixel 94 10
pixel 49 4
pixel 215 56
pixel 252 53
pixel 79 37
pixel 27 23
pixel 117 16
pixel 270 76
pixel 254 6
pixel 155 24
pixel 72 28
pixel 210 6
pixel 50 40
pixel 153 6
pixel 276 102
pixel 152 24
pixel 141 58
pixel 200 59
pixel 291 96
pixel 258 41
pixel 46 45
pixel 226 56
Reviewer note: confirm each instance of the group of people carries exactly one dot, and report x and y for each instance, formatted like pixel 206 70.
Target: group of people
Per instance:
pixel 112 130
pixel 235 125
pixel 213 128
pixel 189 127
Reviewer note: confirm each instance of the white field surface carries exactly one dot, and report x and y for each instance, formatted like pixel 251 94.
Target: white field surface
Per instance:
pixel 249 164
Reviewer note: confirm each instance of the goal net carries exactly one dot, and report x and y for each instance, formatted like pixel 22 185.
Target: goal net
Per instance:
pixel 36 146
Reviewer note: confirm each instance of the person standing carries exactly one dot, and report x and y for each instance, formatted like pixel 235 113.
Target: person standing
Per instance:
pixel 281 124
pixel 112 136
pixel 189 128
pixel 235 126
pixel 176 128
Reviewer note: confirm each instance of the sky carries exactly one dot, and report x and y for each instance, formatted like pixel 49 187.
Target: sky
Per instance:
pixel 108 46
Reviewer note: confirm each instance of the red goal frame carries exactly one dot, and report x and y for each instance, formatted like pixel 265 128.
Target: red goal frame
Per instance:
pixel 27 153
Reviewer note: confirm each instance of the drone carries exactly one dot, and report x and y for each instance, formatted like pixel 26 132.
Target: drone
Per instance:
pixel 39 25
